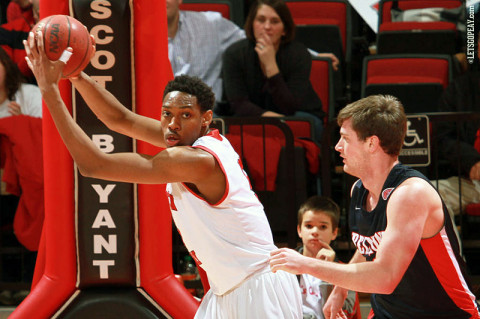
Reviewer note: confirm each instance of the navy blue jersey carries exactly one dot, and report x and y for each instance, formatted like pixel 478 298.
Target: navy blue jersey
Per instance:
pixel 435 283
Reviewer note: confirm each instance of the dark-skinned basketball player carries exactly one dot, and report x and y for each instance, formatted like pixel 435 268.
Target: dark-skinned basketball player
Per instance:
pixel 222 223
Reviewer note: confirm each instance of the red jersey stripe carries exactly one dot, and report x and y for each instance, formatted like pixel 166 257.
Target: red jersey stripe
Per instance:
pixel 439 253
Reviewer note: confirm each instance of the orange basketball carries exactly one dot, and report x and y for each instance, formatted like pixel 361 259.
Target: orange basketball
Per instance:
pixel 62 31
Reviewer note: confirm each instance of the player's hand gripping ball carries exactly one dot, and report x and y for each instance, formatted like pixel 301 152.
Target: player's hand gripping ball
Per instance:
pixel 62 31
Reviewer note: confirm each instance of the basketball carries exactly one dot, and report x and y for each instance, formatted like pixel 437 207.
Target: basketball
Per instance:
pixel 62 31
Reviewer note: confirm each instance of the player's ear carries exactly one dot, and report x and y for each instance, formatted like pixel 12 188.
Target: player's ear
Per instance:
pixel 207 118
pixel 374 142
pixel 299 231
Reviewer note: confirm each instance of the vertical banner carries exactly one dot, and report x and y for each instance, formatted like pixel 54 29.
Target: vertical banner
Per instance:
pixel 106 211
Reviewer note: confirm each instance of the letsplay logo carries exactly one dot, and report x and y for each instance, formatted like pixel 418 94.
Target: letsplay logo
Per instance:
pixel 386 192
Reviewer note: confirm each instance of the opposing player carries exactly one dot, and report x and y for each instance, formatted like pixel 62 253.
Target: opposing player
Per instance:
pixel 221 220
pixel 407 253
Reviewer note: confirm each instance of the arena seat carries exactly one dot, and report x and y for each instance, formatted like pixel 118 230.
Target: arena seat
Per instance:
pixel 325 26
pixel 230 9
pixel 417 80
pixel 324 12
pixel 321 77
pixel 396 36
pixel 276 168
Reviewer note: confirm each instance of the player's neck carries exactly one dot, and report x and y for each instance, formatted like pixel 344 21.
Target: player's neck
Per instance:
pixel 205 131
pixel 375 178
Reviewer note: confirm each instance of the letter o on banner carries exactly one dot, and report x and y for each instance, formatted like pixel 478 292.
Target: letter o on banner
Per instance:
pixel 106 249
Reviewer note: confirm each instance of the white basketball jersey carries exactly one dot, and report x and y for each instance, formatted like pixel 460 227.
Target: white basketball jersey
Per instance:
pixel 232 238
pixel 311 296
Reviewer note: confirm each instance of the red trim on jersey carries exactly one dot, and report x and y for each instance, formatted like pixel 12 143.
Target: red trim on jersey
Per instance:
pixel 171 201
pixel 371 314
pixel 194 256
pixel 386 192
pixel 215 134
pixel 440 254
pixel 224 173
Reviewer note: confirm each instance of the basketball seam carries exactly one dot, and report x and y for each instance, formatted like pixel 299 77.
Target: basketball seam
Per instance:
pixel 84 56
pixel 44 33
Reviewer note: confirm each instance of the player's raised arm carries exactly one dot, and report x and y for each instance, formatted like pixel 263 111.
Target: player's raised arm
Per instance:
pixel 105 106
pixel 115 115
pixel 399 243
pixel 182 164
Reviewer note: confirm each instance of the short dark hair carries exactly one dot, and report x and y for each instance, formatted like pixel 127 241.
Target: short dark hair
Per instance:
pixel 194 86
pixel 13 76
pixel 379 115
pixel 320 203
pixel 283 12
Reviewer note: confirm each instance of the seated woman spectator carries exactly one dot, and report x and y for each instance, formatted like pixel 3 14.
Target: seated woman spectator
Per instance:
pixel 268 73
pixel 17 97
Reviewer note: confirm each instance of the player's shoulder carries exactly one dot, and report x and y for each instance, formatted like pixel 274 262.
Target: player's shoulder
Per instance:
pixel 414 189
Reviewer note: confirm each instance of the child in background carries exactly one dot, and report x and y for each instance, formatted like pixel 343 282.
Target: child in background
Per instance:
pixel 318 219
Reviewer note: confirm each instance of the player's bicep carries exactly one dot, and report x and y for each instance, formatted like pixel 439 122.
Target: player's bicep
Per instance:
pixel 407 211
pixel 178 164
pixel 184 164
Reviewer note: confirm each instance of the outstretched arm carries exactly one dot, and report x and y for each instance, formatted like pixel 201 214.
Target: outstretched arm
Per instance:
pixel 178 164
pixel 115 115
pixel 414 212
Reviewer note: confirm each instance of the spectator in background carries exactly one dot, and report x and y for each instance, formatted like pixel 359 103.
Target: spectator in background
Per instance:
pixel 268 73
pixel 318 219
pixel 18 9
pixel 196 41
pixel 462 95
pixel 14 32
pixel 21 178
pixel 16 96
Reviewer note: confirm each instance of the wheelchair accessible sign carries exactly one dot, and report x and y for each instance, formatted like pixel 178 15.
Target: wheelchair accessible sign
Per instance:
pixel 416 147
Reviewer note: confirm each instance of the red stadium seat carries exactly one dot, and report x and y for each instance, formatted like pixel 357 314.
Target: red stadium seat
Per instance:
pixel 321 77
pixel 417 80
pixel 416 36
pixel 325 26
pixel 269 156
pixel 230 9
pixel 223 8
pixel 324 12
pixel 386 6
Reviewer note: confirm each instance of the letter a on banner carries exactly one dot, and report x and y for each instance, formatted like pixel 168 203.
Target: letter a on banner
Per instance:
pixel 106 247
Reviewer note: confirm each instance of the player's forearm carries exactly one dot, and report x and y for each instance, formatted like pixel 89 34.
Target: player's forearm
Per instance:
pixel 367 277
pixel 356 258
pixel 83 151
pixel 105 106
